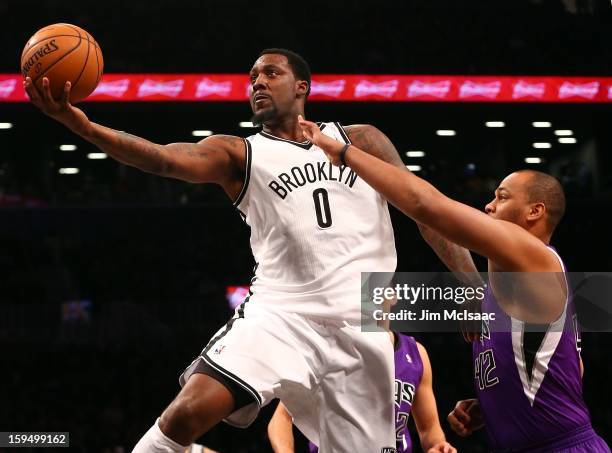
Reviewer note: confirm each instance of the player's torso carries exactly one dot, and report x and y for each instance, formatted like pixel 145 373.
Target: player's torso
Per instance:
pixel 313 225
pixel 408 374
pixel 528 380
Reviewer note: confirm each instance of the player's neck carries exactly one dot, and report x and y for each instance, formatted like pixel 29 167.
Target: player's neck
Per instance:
pixel 541 232
pixel 286 128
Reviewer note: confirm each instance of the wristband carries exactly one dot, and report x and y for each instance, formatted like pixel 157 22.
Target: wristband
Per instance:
pixel 343 154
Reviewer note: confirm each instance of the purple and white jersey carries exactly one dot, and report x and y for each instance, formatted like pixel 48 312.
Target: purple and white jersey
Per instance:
pixel 408 373
pixel 528 383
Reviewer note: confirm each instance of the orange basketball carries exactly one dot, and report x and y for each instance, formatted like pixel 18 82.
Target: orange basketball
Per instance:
pixel 63 52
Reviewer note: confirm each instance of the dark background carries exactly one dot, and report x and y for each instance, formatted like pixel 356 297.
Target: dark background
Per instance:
pixel 154 256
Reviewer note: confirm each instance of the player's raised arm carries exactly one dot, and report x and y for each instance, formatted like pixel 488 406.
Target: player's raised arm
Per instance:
pixel 280 430
pixel 217 159
pixel 374 142
pixel 506 244
pixel 425 412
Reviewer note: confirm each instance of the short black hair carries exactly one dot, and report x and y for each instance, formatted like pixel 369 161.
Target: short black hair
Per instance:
pixel 299 66
pixel 546 189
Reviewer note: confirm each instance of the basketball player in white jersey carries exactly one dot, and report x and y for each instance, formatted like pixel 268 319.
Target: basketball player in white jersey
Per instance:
pixel 314 228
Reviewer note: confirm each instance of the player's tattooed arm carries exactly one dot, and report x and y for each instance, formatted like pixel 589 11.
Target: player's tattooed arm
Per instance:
pixel 192 162
pixel 456 258
pixel 218 159
pixel 373 141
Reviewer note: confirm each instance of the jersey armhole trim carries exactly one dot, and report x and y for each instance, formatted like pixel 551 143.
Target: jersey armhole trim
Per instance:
pixel 564 271
pixel 343 133
pixel 247 173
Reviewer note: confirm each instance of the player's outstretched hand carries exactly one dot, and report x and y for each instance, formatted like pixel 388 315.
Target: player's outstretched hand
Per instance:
pixel 331 147
pixel 466 417
pixel 442 447
pixel 60 110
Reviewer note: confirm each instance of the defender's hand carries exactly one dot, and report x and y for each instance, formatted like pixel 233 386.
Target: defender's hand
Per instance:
pixel 60 110
pixel 466 417
pixel 330 147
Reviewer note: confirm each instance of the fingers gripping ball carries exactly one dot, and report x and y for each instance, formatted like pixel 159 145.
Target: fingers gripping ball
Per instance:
pixel 63 52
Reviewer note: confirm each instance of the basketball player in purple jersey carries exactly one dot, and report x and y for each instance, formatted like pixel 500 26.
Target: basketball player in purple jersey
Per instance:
pixel 413 394
pixel 529 389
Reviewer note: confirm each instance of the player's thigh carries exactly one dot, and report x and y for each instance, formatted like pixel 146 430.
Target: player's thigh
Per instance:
pixel 203 402
pixel 262 352
pixel 358 410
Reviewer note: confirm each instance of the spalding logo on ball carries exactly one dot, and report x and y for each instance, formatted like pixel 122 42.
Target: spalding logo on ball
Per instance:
pixel 63 53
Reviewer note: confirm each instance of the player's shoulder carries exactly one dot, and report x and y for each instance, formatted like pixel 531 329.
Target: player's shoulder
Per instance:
pixel 425 363
pixel 362 135
pixel 363 128
pixel 419 346
pixel 232 145
pixel 224 141
pixel 406 337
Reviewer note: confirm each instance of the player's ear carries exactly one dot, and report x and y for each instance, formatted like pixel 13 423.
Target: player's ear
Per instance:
pixel 536 211
pixel 302 87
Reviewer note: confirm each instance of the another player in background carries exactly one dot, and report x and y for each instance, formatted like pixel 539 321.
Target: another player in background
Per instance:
pixel 314 229
pixel 527 366
pixel 413 395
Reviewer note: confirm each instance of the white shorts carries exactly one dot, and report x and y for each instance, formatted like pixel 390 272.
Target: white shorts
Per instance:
pixel 336 381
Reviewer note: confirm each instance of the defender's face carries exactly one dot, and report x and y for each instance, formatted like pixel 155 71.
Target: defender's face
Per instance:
pixel 273 85
pixel 511 202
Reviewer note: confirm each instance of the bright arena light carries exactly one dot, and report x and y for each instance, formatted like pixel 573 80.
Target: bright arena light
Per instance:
pixel 533 160
pixel 246 124
pixel 413 167
pixel 563 132
pixel 97 156
pixel 541 124
pixel 567 140
pixel 495 124
pixel 542 145
pixel 6 125
pixel 68 171
pixel 201 133
pixel 415 154
pixel 446 132
pixel 68 147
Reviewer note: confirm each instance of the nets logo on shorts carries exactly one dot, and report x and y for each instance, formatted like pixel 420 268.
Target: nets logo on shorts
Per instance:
pixel 219 349
pixel 388 450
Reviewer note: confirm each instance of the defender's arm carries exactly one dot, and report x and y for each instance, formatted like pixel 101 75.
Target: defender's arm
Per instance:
pixel 425 411
pixel 376 143
pixel 506 244
pixel 280 430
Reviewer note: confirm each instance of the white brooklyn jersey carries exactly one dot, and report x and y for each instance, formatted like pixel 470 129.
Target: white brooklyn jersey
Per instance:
pixel 314 227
